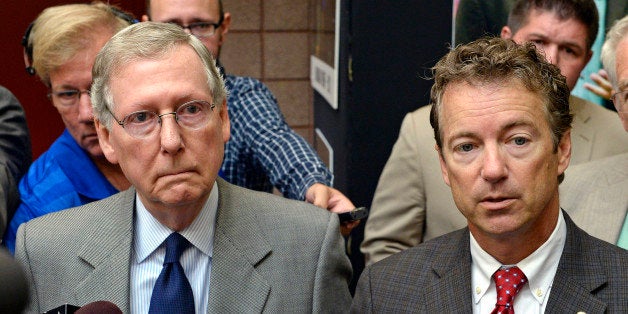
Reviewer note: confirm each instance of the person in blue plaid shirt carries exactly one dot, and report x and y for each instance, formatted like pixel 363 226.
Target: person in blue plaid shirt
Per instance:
pixel 263 150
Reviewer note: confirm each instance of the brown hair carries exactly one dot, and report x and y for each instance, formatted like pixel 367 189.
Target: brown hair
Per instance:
pixel 488 60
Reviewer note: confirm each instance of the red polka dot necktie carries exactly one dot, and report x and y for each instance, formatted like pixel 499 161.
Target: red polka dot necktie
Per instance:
pixel 508 282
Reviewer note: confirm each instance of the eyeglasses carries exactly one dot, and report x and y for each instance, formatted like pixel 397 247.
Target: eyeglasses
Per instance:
pixel 202 29
pixel 192 115
pixel 68 97
pixel 620 99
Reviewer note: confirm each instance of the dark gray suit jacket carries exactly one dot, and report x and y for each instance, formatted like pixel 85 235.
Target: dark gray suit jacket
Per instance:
pixel 15 154
pixel 270 255
pixel 435 277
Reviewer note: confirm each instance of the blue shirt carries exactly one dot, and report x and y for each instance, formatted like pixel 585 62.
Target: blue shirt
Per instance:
pixel 60 178
pixel 263 150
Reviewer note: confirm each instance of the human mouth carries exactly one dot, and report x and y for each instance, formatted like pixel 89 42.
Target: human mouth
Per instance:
pixel 176 173
pixel 90 137
pixel 496 203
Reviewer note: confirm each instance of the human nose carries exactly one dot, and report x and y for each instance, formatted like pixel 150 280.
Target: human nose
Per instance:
pixel 187 29
pixel 170 136
pixel 551 54
pixel 86 114
pixel 494 165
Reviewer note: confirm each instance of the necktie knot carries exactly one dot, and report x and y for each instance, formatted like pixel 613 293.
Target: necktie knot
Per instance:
pixel 176 244
pixel 508 282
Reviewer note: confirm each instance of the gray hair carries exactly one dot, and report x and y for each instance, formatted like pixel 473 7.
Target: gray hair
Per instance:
pixel 617 33
pixel 147 40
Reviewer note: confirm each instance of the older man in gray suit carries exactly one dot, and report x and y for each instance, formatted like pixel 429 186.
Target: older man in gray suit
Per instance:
pixel 502 126
pixel 412 204
pixel 160 110
pixel 596 193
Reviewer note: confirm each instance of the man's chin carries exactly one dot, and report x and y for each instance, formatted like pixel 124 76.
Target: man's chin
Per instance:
pixel 94 150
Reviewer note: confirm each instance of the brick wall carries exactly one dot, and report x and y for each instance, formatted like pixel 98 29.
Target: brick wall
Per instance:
pixel 276 51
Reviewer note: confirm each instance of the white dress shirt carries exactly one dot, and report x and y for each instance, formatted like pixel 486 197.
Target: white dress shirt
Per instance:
pixel 148 254
pixel 539 267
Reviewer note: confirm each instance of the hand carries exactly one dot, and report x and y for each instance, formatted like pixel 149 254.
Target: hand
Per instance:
pixel 333 200
pixel 604 88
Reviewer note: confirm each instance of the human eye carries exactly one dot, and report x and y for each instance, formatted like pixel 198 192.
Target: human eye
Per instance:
pixel 67 94
pixel 464 147
pixel 190 109
pixel 520 141
pixel 139 117
pixel 201 26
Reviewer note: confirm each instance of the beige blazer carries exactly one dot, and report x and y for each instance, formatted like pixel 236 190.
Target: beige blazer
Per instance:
pixel 271 255
pixel 413 204
pixel 596 196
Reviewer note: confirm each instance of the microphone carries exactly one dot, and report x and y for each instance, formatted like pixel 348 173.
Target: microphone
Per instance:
pixel 14 287
pixel 99 307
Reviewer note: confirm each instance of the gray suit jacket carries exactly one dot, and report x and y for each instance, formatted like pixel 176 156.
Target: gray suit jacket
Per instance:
pixel 15 154
pixel 270 255
pixel 412 203
pixel 435 277
pixel 596 196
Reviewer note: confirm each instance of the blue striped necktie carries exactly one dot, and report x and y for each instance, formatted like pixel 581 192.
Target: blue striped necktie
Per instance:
pixel 172 292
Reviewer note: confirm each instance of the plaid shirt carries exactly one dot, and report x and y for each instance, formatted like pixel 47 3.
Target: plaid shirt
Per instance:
pixel 263 150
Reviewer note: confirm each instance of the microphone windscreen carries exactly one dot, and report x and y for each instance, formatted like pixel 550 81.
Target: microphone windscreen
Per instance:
pixel 14 286
pixel 99 307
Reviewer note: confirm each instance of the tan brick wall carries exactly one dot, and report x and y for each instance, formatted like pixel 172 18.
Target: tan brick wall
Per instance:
pixel 270 40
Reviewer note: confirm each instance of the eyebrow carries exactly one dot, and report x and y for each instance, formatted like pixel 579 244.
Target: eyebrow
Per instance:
pixel 193 20
pixel 571 44
pixel 509 126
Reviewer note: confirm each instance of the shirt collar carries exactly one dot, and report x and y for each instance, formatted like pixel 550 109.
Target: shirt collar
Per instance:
pixel 150 234
pixel 539 267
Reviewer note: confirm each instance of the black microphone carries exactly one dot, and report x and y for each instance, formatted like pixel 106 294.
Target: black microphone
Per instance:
pixel 99 307
pixel 14 287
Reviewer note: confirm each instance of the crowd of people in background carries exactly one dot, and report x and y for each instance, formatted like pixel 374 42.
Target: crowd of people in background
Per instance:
pixel 158 195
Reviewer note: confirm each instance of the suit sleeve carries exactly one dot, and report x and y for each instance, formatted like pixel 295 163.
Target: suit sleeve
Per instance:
pixel 15 152
pixel 397 216
pixel 21 255
pixel 362 302
pixel 333 273
pixel 290 163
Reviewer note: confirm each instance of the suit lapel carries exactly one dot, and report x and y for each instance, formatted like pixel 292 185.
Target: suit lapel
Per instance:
pixel 452 266
pixel 579 274
pixel 107 249
pixel 239 246
pixel 583 134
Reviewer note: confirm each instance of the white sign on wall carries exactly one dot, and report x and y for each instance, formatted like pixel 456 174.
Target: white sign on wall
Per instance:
pixel 324 62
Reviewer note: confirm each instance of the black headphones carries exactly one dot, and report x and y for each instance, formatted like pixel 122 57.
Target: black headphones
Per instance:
pixel 28 49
